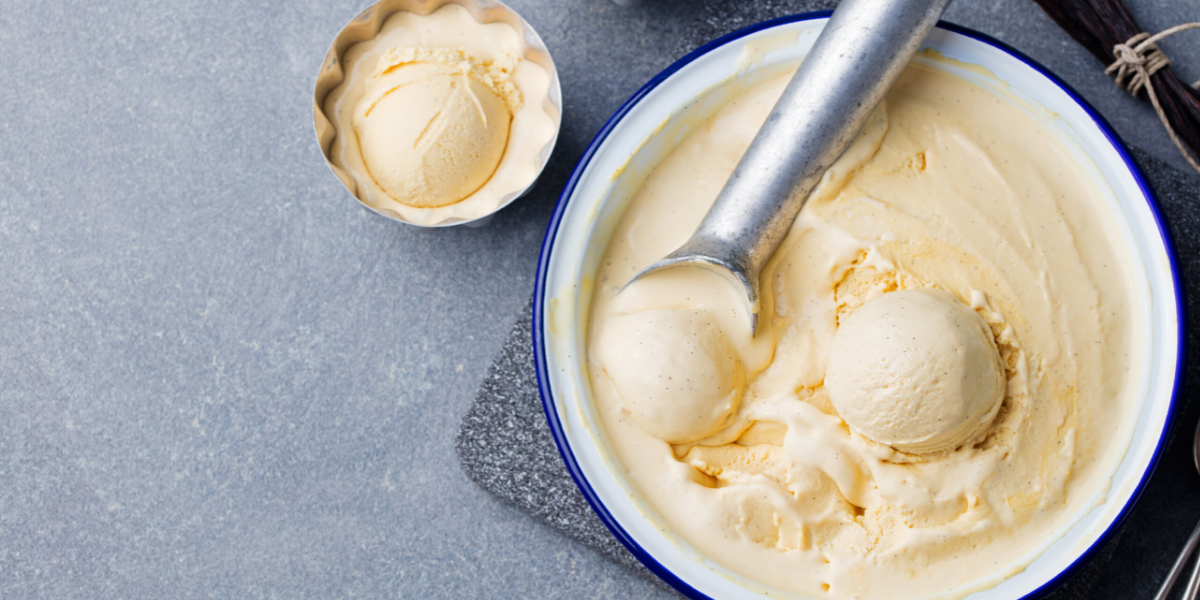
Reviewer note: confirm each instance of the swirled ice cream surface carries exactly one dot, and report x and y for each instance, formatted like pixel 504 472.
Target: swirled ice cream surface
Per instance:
pixel 733 440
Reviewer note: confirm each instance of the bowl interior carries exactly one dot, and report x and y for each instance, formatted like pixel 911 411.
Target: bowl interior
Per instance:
pixel 666 111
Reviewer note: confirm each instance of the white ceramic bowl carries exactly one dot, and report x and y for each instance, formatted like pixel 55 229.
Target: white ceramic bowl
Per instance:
pixel 661 114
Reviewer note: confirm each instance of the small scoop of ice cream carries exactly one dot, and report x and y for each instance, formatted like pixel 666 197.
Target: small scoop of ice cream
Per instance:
pixel 675 370
pixel 916 370
pixel 433 124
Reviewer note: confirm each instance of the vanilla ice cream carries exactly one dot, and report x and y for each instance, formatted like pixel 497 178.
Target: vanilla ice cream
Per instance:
pixel 916 370
pixel 676 372
pixel 441 118
pixel 433 123
pixel 945 357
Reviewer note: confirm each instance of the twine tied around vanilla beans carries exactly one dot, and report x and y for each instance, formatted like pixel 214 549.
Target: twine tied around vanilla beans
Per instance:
pixel 1108 30
pixel 1137 60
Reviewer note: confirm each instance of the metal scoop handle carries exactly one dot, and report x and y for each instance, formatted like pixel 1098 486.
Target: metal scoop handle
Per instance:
pixel 853 63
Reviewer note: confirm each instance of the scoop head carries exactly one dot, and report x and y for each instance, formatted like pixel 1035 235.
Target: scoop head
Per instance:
pixel 714 257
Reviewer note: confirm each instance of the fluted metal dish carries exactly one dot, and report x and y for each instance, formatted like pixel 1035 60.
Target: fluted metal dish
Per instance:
pixel 366 26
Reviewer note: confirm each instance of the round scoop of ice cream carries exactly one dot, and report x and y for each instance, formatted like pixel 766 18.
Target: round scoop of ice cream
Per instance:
pixel 675 371
pixel 433 125
pixel 916 370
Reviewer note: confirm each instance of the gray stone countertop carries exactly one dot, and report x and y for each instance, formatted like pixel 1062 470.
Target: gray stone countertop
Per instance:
pixel 219 377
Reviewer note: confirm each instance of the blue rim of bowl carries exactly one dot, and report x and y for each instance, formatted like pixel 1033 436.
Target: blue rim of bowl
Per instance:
pixel 539 349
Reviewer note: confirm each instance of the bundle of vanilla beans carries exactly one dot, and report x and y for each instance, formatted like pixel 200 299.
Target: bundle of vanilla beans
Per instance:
pixel 1101 26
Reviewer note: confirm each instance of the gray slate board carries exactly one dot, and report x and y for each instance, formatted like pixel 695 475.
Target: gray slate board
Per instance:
pixel 504 444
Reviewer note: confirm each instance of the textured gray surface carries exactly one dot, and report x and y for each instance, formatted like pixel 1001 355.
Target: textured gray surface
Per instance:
pixel 220 378
pixel 505 446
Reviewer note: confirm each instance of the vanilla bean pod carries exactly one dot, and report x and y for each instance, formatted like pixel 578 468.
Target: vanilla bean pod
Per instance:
pixel 1100 25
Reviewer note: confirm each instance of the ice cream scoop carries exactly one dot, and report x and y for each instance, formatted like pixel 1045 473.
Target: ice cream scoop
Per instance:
pixel 433 124
pixel 916 370
pixel 675 370
pixel 853 63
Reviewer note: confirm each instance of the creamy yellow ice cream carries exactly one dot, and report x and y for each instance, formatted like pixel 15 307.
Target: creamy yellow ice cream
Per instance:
pixel 441 118
pixel 916 370
pixel 677 371
pixel 433 124
pixel 851 465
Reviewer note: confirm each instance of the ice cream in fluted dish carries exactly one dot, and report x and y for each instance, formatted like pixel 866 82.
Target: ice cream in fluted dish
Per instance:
pixel 847 469
pixel 433 124
pixel 440 118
